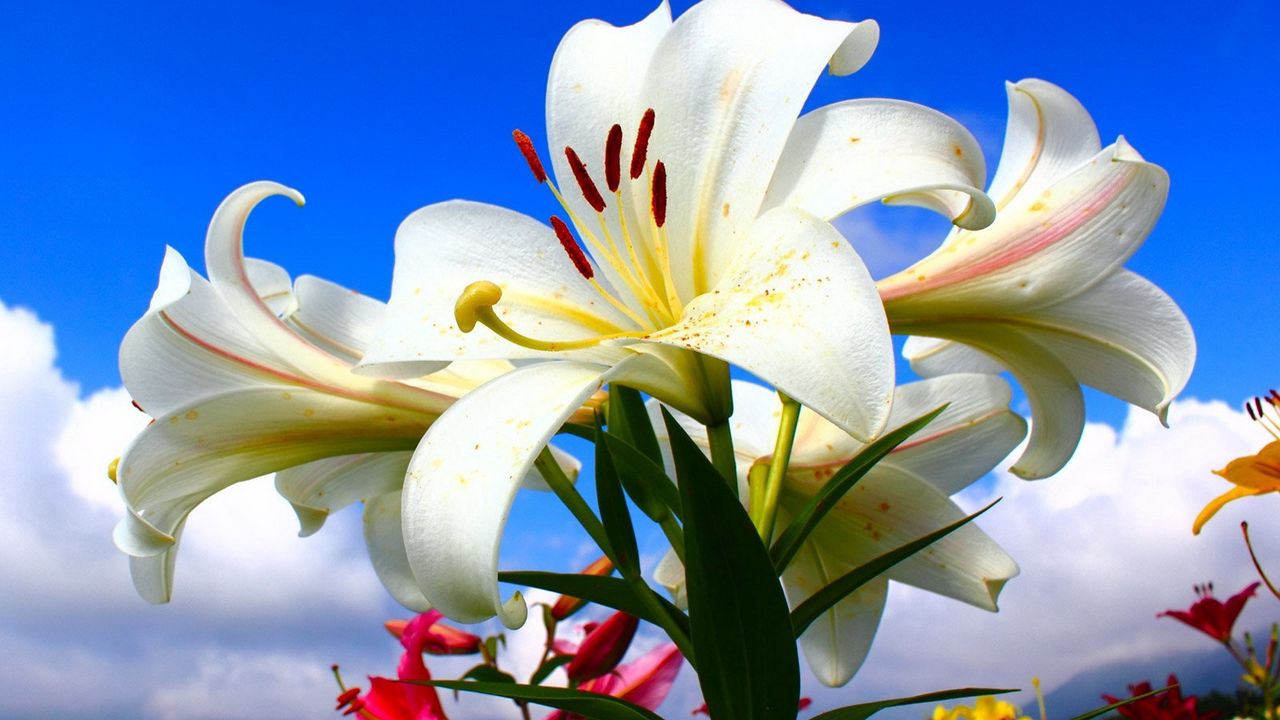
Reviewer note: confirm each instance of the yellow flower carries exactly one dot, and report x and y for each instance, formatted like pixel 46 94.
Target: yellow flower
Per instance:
pixel 986 707
pixel 1251 474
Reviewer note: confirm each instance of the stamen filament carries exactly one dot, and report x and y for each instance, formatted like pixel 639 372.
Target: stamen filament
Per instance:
pixel 475 305
pixel 635 279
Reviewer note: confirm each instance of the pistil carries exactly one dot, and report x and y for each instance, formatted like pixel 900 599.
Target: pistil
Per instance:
pixel 475 306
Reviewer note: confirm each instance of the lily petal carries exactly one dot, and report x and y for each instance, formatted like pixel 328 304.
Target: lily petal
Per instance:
pixel 188 333
pixel 443 248
pixel 798 284
pixel 464 476
pixel 153 575
pixel 1221 501
pixel 1057 405
pixel 727 82
pixel 1040 250
pixel 845 155
pixel 186 456
pixel 339 320
pixel 593 84
pixel 384 539
pixel 891 507
pixel 837 643
pixel 320 488
pixel 932 357
pixel 1125 337
pixel 1049 132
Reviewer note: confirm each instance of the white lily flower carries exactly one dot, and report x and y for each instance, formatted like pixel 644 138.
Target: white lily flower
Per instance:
pixel 246 375
pixel 1042 291
pixel 703 203
pixel 902 498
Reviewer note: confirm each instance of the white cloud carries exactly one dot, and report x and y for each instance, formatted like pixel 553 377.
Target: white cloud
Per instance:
pixel 1104 545
pixel 255 606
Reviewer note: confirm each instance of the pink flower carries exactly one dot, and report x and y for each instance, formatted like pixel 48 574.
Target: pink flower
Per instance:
pixel 1212 616
pixel 644 682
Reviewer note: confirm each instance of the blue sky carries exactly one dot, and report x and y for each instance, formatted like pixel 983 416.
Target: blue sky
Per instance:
pixel 125 126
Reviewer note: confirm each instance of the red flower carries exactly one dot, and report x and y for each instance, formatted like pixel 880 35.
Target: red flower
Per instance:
pixel 567 605
pixel 1168 705
pixel 1211 616
pixel 603 647
pixel 391 700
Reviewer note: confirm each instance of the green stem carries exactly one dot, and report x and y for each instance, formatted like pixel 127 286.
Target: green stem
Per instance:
pixel 720 437
pixel 755 492
pixel 674 533
pixel 778 466
pixel 563 487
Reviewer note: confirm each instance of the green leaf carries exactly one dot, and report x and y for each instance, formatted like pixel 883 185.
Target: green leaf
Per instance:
pixel 592 705
pixel 1119 704
pixel 614 513
pixel 611 592
pixel 545 669
pixel 629 420
pixel 746 655
pixel 866 710
pixel 824 599
pixel 645 480
pixel 488 673
pixel 789 542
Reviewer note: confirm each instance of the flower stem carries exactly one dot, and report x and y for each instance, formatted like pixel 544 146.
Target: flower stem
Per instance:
pixel 778 466
pixel 563 487
pixel 720 437
pixel 1244 529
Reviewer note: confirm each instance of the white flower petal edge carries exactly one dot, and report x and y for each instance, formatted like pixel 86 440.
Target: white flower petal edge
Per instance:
pixel 925 158
pixel 384 538
pixel 727 83
pixel 837 644
pixel 464 476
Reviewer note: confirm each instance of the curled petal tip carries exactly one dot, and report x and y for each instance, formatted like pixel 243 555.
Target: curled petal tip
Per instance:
pixel 139 538
pixel 514 612
pixel 1124 152
pixel 856 49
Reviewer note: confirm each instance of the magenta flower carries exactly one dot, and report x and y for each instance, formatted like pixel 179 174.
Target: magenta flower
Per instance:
pixel 603 647
pixel 1168 705
pixel 644 682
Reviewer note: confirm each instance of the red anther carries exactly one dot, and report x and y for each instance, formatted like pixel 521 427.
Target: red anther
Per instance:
pixel 136 405
pixel 1274 398
pixel 642 144
pixel 1248 406
pixel 589 191
pixel 613 158
pixel 571 248
pixel 659 194
pixel 530 155
pixel 1257 405
pixel 347 697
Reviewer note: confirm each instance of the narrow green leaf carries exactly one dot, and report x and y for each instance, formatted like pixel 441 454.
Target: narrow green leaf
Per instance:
pixel 747 662
pixel 614 513
pixel 866 710
pixel 563 487
pixel 592 705
pixel 608 591
pixel 629 420
pixel 545 669
pixel 645 480
pixel 824 599
pixel 789 542
pixel 488 673
pixel 1119 704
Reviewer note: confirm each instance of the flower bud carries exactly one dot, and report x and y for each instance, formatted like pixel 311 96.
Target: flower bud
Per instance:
pixel 603 648
pixel 567 605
